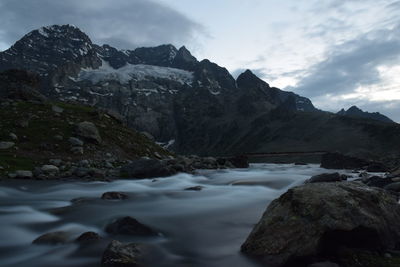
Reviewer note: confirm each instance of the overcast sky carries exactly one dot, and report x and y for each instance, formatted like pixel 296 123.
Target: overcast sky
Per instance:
pixel 336 52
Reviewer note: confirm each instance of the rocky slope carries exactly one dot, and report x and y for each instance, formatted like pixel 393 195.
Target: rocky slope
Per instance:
pixel 192 106
pixel 45 139
pixel 358 113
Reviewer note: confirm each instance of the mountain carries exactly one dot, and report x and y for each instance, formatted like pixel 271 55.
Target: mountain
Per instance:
pixel 196 107
pixel 358 113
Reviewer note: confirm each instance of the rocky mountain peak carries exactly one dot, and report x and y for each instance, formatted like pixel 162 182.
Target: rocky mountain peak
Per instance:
pixel 249 80
pixel 184 60
pixel 46 48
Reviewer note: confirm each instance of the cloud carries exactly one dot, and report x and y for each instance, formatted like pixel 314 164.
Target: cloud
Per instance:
pixel 352 64
pixel 121 23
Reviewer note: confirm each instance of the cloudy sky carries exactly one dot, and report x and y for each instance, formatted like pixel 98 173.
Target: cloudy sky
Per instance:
pixel 337 52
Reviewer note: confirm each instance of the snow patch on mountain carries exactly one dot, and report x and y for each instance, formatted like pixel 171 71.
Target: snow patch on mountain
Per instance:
pixel 133 72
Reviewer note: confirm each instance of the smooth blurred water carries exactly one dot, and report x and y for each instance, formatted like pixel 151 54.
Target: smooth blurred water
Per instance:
pixel 199 228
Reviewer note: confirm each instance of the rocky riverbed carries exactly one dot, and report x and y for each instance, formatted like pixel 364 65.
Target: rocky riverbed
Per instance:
pixel 204 225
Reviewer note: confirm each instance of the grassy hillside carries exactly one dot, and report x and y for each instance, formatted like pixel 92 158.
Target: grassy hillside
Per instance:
pixel 43 134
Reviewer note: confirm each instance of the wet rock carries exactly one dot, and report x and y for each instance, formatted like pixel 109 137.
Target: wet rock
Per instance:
pixel 6 145
pixel 54 238
pixel 88 131
pixel 327 177
pixel 50 169
pixel 78 150
pixel 88 237
pixel 13 136
pixel 395 187
pixel 377 181
pixel 75 141
pixel 57 109
pixel 82 172
pixel 129 226
pixel 318 219
pixel 195 188
pixel 146 168
pixel 119 254
pixel 23 174
pixel 58 137
pixel 114 195
pixel 55 162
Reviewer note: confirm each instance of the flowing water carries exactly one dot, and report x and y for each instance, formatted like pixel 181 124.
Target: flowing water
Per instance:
pixel 198 228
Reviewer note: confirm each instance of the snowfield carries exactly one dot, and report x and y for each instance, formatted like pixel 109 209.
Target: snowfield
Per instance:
pixel 133 72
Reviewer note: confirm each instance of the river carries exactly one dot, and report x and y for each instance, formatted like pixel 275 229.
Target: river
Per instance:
pixel 198 228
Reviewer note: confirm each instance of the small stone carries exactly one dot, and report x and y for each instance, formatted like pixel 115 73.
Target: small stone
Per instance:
pixel 195 188
pixel 77 150
pixel 6 145
pixel 23 174
pixel 54 238
pixel 84 163
pixel 50 169
pixel 58 137
pixel 75 141
pixel 57 109
pixel 114 196
pixel 12 175
pixel 23 124
pixel 55 162
pixel 13 136
pixel 108 165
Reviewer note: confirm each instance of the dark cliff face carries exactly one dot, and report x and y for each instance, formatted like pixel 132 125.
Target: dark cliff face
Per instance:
pixel 196 106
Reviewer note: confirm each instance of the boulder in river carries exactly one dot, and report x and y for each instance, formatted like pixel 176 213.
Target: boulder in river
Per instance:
pixel 53 238
pixel 317 219
pixel 129 226
pixel 118 254
pixel 88 237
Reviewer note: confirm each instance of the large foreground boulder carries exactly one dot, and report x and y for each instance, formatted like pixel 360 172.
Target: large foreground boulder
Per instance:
pixel 316 220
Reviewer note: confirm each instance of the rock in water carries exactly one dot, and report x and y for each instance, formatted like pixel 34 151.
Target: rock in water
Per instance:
pixel 317 219
pixel 88 237
pixel 88 131
pixel 118 254
pixel 6 145
pixel 114 196
pixel 53 238
pixel 129 226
